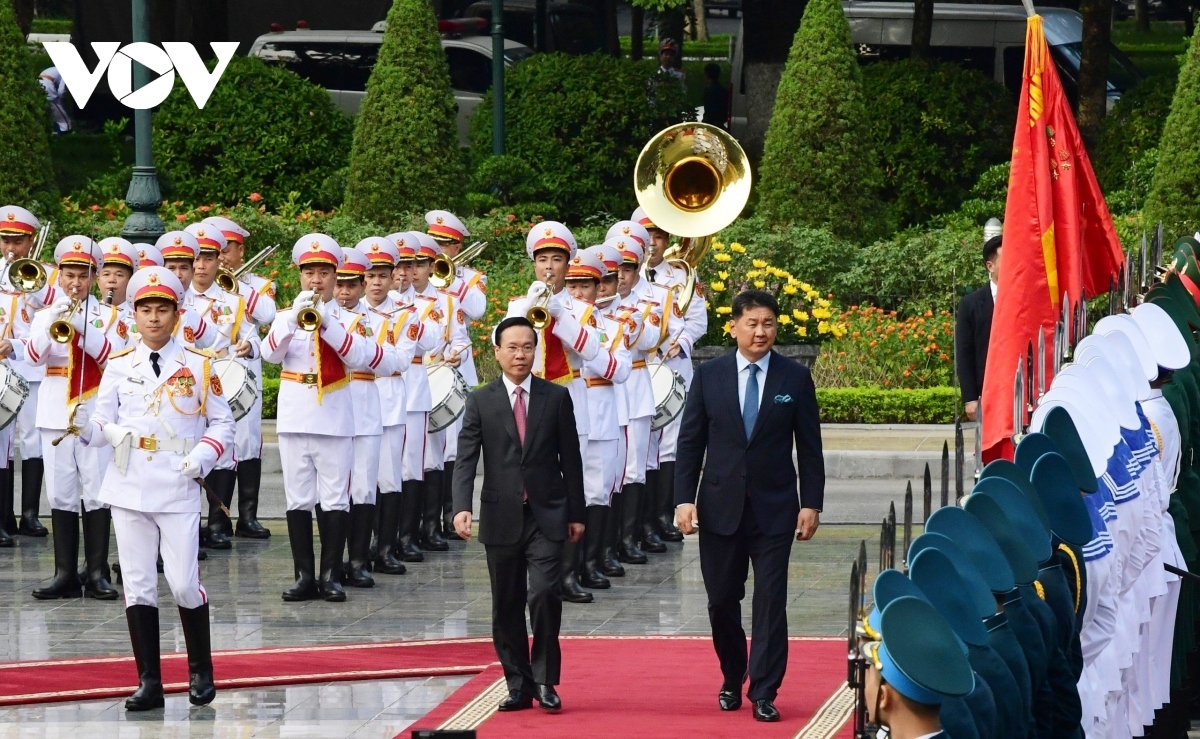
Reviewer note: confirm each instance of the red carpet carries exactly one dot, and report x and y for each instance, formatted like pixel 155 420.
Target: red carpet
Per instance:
pixel 663 686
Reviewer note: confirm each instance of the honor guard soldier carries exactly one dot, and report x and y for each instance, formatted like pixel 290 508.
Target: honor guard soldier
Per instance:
pixel 689 324
pixel 259 294
pixel 467 290
pixel 162 420
pixel 582 561
pixel 316 415
pixel 651 302
pixel 371 326
pixel 73 338
pixel 18 235
pixel 227 313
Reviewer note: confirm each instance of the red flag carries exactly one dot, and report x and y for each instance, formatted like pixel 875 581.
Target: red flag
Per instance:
pixel 1058 236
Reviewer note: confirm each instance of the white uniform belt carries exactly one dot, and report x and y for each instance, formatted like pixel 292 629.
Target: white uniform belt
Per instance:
pixel 155 444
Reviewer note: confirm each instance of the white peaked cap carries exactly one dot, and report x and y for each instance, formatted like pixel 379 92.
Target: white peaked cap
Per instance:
pixel 1169 347
pixel 1097 453
pixel 1125 324
pixel 1088 378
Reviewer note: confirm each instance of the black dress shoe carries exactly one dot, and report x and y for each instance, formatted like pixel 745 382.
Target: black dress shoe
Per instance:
pixel 516 701
pixel 764 710
pixel 547 697
pixel 729 700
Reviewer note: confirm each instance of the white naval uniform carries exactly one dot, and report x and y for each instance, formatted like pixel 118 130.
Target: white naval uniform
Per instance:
pixel 412 339
pixel 73 471
pixel 259 294
pixel 646 301
pixel 602 374
pixel 687 329
pixel 370 326
pixel 27 437
pixel 316 430
pixel 177 413
pixel 467 290
pixel 580 342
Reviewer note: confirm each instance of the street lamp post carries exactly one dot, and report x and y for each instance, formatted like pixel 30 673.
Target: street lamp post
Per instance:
pixel 498 77
pixel 144 198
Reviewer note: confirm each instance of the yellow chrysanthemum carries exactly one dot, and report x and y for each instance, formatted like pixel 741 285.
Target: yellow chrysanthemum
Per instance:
pixel 723 275
pixel 821 314
pixel 760 284
pixel 802 331
pixel 806 287
pixel 758 263
pixel 716 286
pixel 811 294
pixel 724 310
pixel 789 289
pixel 785 319
pixel 823 327
pixel 800 315
pixel 736 247
pixel 721 257
pixel 752 274
pixel 823 303
pixel 718 246
pixel 728 327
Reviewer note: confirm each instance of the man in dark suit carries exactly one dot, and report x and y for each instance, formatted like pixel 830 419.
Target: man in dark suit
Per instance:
pixel 973 329
pixel 746 409
pixel 532 501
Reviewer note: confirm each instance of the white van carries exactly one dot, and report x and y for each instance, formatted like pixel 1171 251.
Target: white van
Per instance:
pixel 341 62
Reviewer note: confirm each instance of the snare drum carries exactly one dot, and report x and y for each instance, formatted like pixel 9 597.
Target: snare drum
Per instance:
pixel 239 385
pixel 13 392
pixel 670 391
pixel 449 391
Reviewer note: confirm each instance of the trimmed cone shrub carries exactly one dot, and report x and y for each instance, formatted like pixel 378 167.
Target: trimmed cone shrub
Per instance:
pixel 579 122
pixel 1132 128
pixel 28 178
pixel 405 156
pixel 265 130
pixel 1175 195
pixel 819 167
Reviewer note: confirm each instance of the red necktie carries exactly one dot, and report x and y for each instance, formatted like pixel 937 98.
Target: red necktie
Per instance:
pixel 519 417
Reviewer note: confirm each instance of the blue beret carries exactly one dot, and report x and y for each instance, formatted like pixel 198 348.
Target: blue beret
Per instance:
pixel 1054 482
pixel 1061 429
pixel 935 575
pixel 1022 561
pixel 1017 507
pixel 968 533
pixel 974 584
pixel 920 655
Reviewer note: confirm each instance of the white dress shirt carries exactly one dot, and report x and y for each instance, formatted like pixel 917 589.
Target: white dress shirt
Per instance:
pixel 992 284
pixel 512 394
pixel 743 374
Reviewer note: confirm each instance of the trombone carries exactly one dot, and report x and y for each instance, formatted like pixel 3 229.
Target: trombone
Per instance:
pixel 227 279
pixel 27 274
pixel 445 268
pixel 539 313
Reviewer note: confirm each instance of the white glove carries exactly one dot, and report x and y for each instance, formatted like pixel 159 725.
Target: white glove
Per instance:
pixel 328 310
pixel 536 290
pixel 558 305
pixel 60 307
pixel 305 299
pixel 188 467
pixel 79 318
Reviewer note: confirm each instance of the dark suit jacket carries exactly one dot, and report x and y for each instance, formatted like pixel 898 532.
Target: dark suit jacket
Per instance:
pixel 549 467
pixel 760 467
pixel 972 330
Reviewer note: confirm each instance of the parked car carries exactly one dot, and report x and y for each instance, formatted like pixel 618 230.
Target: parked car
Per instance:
pixel 341 62
pixel 571 28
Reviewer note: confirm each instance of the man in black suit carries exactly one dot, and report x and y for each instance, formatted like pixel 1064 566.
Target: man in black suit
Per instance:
pixel 746 409
pixel 973 329
pixel 532 501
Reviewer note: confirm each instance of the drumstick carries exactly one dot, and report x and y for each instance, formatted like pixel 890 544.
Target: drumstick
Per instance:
pixel 213 500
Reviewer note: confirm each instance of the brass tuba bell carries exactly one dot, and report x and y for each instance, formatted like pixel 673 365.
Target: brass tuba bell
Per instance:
pixel 693 180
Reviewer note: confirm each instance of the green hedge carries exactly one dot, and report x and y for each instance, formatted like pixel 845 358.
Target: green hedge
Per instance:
pixel 873 405
pixel 270 396
pixel 24 127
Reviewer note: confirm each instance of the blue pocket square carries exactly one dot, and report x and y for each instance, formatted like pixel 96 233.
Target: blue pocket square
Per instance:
pixel 783 398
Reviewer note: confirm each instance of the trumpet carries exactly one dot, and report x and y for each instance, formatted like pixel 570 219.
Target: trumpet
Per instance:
pixel 227 279
pixel 445 268
pixel 27 274
pixel 309 319
pixel 61 331
pixel 539 313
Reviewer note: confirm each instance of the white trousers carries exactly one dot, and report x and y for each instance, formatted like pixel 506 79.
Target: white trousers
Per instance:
pixel 366 469
pixel 29 436
pixel 663 443
pixel 450 452
pixel 435 450
pixel 247 441
pixel 391 458
pixel 73 471
pixel 619 470
pixel 600 471
pixel 415 438
pixel 316 469
pixel 637 446
pixel 140 537
pixel 8 437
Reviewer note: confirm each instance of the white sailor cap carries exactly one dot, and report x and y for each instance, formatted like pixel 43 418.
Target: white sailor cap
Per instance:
pixel 229 229
pixel 116 250
pixel 1124 324
pixel 1170 349
pixel 1089 381
pixel 209 237
pixel 77 249
pixel 629 229
pixel 445 226
pixel 550 235
pixel 1118 350
pixel 1098 452
pixel 379 250
pixel 155 282
pixel 317 249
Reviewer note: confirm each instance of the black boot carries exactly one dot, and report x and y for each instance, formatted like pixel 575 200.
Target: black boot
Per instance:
pixel 389 527
pixel 32 471
pixel 652 543
pixel 431 513
pixel 219 526
pixel 592 575
pixel 96 526
pixel 362 516
pixel 667 530
pixel 611 563
pixel 143 634
pixel 66 558
pixel 199 648
pixel 300 537
pixel 448 532
pixel 8 521
pixel 249 480
pixel 569 584
pixel 410 520
pixel 631 508
pixel 332 526
pixel 6 541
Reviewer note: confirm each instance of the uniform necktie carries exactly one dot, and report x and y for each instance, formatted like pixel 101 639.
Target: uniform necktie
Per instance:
pixel 519 417
pixel 652 272
pixel 154 356
pixel 750 405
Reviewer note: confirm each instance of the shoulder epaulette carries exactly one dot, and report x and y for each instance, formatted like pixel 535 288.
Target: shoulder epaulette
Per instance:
pixel 207 353
pixel 121 353
pixel 425 297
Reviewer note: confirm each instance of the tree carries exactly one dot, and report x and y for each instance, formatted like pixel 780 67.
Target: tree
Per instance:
pixel 819 168
pixel 1093 67
pixel 922 30
pixel 24 125
pixel 1175 191
pixel 405 156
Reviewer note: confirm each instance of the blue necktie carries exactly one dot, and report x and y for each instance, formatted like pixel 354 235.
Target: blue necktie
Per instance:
pixel 750 405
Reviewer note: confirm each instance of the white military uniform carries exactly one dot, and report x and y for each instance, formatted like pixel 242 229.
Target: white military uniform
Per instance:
pixel 10 311
pixel 686 328
pixel 259 294
pixel 26 434
pixel 647 301
pixel 371 326
pixel 178 413
pixel 467 291
pixel 602 375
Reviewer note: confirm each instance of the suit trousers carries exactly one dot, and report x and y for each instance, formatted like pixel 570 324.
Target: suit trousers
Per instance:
pixel 29 436
pixel 527 572
pixel 139 538
pixel 391 458
pixel 366 469
pixel 316 469
pixel 74 471
pixel 724 564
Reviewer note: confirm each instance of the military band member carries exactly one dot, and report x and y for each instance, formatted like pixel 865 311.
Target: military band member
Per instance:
pixel 227 313
pixel 74 360
pixel 602 374
pixel 468 291
pixel 316 415
pixel 161 410
pixel 259 294
pixel 120 260
pixel 176 251
pixel 688 327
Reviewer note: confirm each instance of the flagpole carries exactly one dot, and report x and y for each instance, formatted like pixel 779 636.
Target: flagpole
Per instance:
pixel 1029 9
